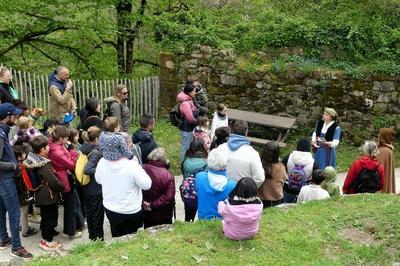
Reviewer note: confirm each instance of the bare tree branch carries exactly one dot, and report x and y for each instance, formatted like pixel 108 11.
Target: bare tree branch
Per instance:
pixel 56 60
pixel 30 36
pixel 140 61
pixel 112 43
pixel 75 51
pixel 30 14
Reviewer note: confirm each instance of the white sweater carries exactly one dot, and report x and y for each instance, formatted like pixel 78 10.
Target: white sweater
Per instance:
pixel 244 162
pixel 301 158
pixel 216 123
pixel 312 192
pixel 122 183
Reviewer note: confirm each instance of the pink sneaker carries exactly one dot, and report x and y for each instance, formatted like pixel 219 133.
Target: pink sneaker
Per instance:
pixel 54 245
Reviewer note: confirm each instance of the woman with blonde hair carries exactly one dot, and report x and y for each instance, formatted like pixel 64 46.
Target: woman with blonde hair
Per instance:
pixel 8 94
pixel 366 174
pixel 117 106
pixel 386 139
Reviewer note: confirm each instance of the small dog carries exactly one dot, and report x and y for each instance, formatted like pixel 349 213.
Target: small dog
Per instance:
pixel 35 114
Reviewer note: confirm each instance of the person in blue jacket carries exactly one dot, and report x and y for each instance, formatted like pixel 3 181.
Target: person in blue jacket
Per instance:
pixel 213 186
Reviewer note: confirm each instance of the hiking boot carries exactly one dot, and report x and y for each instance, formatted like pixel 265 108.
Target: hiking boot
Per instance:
pixel 31 231
pixel 48 246
pixel 6 243
pixel 84 227
pixel 21 253
pixel 34 218
pixel 77 235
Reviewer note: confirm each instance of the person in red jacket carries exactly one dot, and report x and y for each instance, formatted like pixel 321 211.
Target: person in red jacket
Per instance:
pixel 367 161
pixel 159 200
pixel 64 160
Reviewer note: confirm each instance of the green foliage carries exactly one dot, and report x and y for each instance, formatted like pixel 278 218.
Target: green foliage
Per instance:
pixel 385 120
pixel 355 36
pixel 361 35
pixel 361 229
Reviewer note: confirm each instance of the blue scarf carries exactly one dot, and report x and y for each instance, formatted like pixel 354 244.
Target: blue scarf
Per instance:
pixel 56 82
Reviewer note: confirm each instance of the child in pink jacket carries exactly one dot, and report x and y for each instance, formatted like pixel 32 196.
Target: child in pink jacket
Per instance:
pixel 242 211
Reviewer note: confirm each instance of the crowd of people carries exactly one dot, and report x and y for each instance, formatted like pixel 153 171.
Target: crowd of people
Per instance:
pixel 100 170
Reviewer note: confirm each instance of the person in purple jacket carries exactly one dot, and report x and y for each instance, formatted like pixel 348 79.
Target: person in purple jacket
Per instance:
pixel 159 200
pixel 242 211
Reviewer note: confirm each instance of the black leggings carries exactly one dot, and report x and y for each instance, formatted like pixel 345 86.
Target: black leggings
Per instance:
pixel 123 224
pixel 190 210
pixel 70 213
pixel 271 203
pixel 95 216
pixel 49 214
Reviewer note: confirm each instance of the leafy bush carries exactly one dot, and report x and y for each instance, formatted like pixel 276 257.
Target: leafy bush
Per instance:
pixel 362 35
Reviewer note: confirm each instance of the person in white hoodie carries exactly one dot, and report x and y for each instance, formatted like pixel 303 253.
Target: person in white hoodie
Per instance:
pixel 220 119
pixel 301 161
pixel 122 183
pixel 243 159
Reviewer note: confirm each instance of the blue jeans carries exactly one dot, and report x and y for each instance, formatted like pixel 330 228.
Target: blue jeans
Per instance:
pixel 9 203
pixel 186 140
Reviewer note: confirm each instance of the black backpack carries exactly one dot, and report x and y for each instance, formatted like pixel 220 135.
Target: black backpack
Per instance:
pixel 175 116
pixel 367 181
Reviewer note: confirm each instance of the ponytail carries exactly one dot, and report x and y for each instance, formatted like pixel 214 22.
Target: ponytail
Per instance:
pixel 91 134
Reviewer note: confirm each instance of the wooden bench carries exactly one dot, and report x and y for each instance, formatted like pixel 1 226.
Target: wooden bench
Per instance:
pixel 283 123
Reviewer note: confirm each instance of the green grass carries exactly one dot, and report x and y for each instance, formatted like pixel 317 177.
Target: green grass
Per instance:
pixel 308 234
pixel 168 137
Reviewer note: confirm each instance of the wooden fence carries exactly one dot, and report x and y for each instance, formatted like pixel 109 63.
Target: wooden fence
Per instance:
pixel 143 93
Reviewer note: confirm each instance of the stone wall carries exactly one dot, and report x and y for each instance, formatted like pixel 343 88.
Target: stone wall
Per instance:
pixel 361 104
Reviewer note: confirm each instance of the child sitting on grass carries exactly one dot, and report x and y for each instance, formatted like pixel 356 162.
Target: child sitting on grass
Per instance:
pixel 242 211
pixel 329 182
pixel 111 144
pixel 314 190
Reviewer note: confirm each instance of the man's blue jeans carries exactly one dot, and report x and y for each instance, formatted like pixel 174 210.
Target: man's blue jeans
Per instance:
pixel 9 203
pixel 187 138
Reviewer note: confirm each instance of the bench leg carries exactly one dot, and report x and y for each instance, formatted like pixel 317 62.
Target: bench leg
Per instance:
pixel 284 137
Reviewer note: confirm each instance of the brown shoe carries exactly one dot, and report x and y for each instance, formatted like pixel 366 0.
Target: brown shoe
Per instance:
pixel 21 253
pixel 5 244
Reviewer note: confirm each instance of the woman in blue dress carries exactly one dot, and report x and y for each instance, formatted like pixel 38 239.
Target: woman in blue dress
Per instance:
pixel 325 139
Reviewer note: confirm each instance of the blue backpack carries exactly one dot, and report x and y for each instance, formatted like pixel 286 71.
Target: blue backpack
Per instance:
pixel 297 178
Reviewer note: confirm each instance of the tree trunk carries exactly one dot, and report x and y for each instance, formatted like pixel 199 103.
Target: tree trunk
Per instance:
pixel 124 25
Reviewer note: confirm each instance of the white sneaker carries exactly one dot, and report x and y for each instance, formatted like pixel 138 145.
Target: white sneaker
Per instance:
pixel 54 245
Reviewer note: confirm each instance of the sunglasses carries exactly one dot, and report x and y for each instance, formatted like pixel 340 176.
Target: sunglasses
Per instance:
pixel 125 93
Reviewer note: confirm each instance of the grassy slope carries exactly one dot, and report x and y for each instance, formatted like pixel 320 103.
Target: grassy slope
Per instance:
pixel 306 234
